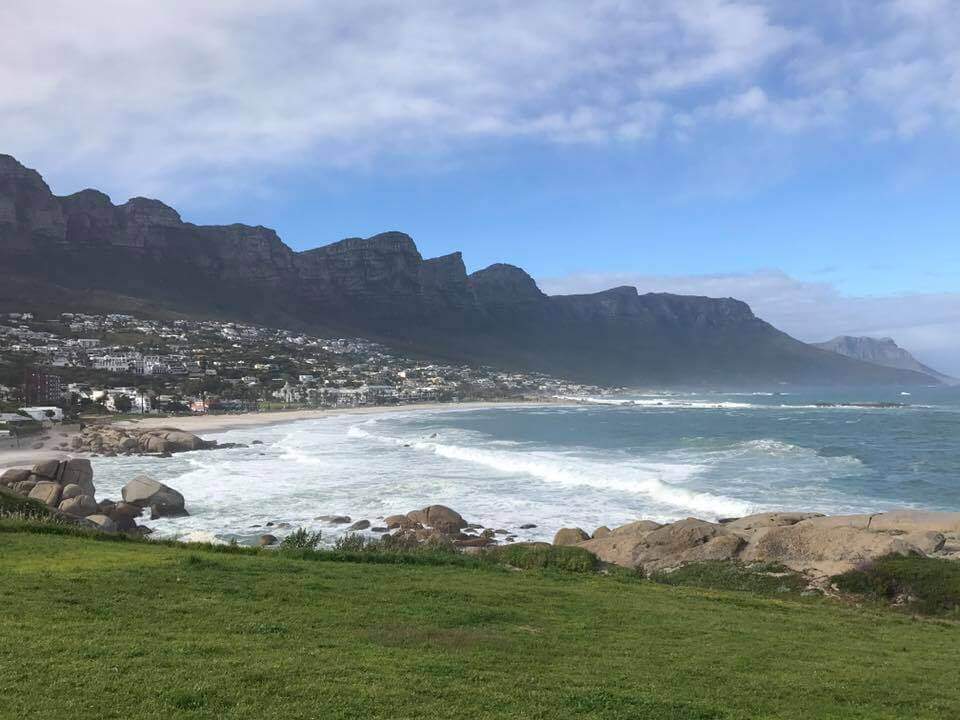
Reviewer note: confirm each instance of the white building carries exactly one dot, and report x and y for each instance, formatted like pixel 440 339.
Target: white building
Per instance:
pixel 41 414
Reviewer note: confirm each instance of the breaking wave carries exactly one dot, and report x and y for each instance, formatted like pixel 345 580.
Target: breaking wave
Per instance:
pixel 657 481
pixel 667 402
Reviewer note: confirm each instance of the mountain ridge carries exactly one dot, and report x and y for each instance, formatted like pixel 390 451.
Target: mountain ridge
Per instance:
pixel 882 351
pixel 82 246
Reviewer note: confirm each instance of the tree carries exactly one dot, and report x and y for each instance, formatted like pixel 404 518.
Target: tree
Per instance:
pixel 122 403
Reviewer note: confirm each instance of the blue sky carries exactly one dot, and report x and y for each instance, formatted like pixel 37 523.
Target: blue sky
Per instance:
pixel 802 156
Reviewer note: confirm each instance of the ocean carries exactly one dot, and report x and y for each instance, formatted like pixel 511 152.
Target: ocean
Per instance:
pixel 605 461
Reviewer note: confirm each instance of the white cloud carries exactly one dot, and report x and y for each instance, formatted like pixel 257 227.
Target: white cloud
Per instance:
pixel 927 324
pixel 141 94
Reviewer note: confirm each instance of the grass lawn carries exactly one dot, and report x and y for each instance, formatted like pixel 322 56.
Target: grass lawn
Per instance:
pixel 94 629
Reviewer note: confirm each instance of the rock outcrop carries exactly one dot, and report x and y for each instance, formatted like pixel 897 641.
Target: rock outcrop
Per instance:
pixel 162 500
pixel 806 542
pixel 79 506
pixel 438 523
pixel 66 488
pixel 439 518
pixel 112 440
pixel 47 492
pixel 570 536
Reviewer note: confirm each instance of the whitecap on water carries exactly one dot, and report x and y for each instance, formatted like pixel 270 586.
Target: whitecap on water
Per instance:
pixel 370 467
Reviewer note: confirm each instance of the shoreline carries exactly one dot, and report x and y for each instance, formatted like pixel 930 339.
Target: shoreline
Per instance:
pixel 12 456
pixel 222 423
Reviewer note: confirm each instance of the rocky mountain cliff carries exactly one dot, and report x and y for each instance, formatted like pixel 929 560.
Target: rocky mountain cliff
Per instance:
pixel 83 252
pixel 882 351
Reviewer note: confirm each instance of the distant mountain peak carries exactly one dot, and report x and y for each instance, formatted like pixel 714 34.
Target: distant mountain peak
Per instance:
pixel 501 283
pixel 881 351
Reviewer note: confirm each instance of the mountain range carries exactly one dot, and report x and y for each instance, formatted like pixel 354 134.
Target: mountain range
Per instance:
pixel 85 253
pixel 882 351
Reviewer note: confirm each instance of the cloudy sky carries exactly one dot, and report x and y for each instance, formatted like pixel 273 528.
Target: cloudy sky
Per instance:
pixel 801 156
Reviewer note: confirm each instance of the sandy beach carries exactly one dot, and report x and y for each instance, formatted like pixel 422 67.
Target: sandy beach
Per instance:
pixel 200 424
pixel 28 454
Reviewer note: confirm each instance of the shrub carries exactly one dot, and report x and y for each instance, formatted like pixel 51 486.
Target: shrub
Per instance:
pixel 763 578
pixel 529 557
pixel 301 539
pixel 13 505
pixel 353 542
pixel 929 586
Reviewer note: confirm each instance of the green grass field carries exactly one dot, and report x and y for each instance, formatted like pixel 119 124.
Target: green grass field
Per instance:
pixel 96 629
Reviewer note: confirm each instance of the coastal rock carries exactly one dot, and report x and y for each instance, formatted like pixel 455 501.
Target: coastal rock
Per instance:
pixel 570 536
pixel 154 441
pixel 722 547
pixel 771 519
pixel 637 527
pixel 811 547
pixel 396 521
pixel 78 471
pixel 102 522
pixel 67 488
pixel 615 549
pixel 24 487
pixel 649 546
pixel 917 521
pixel 360 525
pixel 334 519
pixel 154 444
pixel 162 500
pixel 46 492
pixel 858 522
pixel 438 517
pixel 928 542
pixel 266 540
pixel 180 441
pixel 600 532
pixel 684 534
pixel 79 506
pixel 13 476
pixel 688 540
pixel 49 470
pixel 124 515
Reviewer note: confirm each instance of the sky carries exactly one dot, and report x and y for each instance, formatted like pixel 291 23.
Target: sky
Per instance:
pixel 804 157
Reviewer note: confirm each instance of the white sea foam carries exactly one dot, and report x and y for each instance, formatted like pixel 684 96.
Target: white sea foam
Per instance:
pixel 658 481
pixel 670 401
pixel 502 468
pixel 662 401
pixel 201 536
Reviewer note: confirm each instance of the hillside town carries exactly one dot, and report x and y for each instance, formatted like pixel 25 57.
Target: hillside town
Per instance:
pixel 117 363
